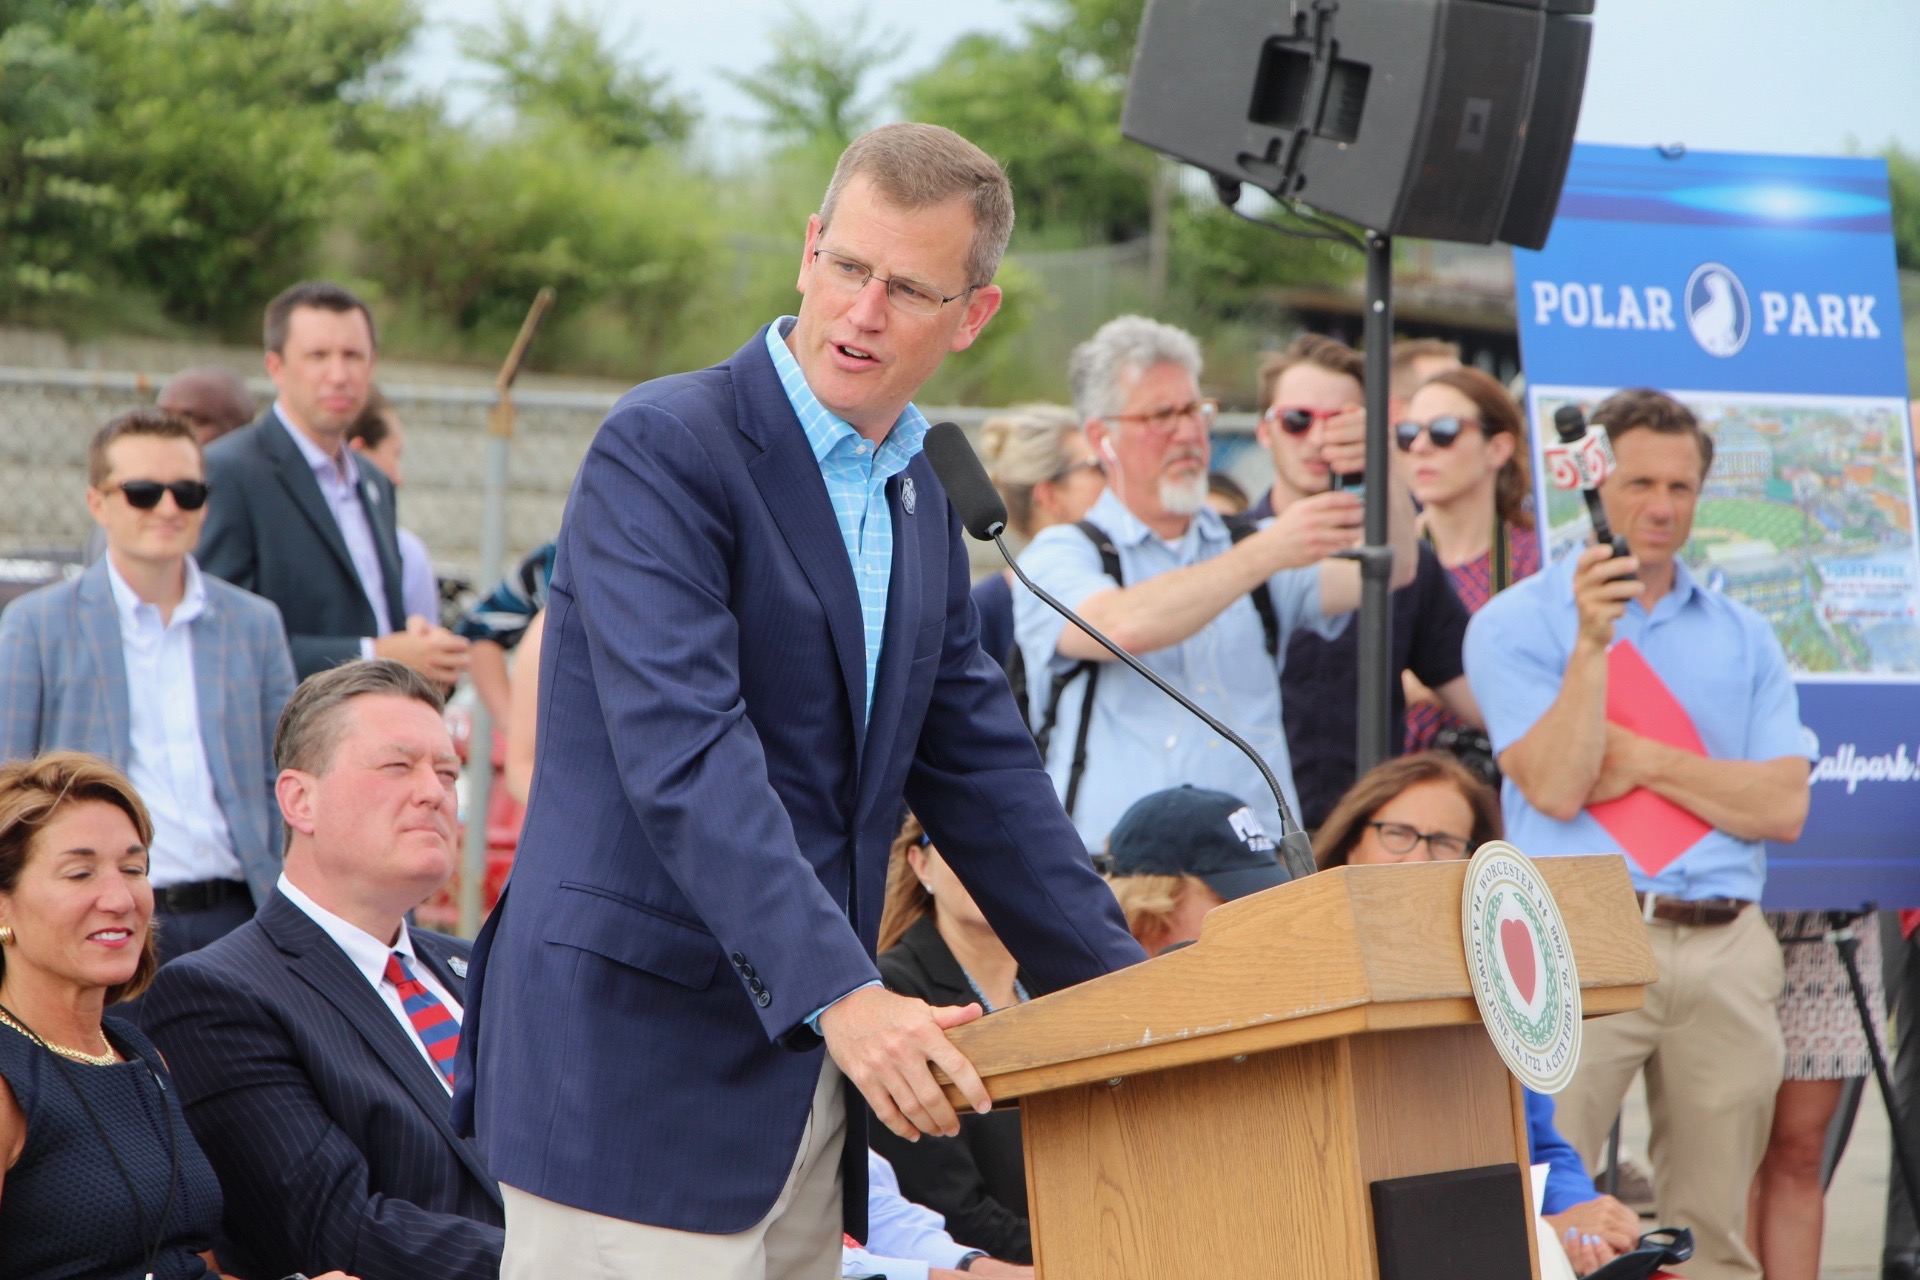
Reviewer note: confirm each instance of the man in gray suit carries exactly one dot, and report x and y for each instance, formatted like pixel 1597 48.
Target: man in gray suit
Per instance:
pixel 175 676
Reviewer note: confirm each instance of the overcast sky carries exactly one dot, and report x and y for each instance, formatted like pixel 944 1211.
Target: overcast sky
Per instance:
pixel 1811 76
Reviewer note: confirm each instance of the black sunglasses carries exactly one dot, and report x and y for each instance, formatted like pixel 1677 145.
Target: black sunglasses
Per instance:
pixel 144 495
pixel 1442 431
pixel 1298 421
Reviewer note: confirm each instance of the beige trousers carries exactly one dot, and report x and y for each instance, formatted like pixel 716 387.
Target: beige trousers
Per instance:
pixel 1709 1040
pixel 799 1239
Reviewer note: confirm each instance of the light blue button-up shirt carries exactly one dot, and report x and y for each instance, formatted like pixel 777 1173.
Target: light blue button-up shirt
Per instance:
pixel 1719 658
pixel 856 474
pixel 1140 740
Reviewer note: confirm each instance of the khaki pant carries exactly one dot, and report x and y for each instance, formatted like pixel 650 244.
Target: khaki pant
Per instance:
pixel 1709 1040
pixel 799 1239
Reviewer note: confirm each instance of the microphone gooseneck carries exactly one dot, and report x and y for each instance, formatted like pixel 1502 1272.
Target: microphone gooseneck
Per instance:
pixel 984 515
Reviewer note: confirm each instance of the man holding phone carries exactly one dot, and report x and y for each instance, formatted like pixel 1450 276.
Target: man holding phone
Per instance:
pixel 1312 393
pixel 1541 656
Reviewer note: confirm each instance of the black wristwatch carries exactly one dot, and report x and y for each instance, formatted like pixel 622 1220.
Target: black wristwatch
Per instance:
pixel 966 1262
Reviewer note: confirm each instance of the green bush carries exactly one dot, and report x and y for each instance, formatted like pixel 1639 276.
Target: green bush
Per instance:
pixel 460 233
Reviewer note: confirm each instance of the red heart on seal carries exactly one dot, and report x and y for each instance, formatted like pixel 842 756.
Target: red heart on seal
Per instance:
pixel 1516 942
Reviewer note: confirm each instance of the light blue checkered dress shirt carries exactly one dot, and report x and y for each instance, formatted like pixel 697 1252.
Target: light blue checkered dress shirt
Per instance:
pixel 856 474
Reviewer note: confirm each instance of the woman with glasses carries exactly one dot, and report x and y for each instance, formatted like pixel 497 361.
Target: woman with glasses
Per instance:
pixel 1465 447
pixel 1429 807
pixel 1046 473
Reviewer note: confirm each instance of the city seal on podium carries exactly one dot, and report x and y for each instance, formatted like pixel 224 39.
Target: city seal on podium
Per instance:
pixel 1521 964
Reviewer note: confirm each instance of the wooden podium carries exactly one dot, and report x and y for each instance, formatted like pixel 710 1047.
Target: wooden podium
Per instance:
pixel 1221 1111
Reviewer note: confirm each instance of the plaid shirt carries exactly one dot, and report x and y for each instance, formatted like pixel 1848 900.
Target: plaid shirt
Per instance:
pixel 856 474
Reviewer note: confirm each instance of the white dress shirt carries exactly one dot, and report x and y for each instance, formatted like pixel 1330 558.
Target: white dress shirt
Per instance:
pixel 369 956
pixel 168 764
pixel 339 481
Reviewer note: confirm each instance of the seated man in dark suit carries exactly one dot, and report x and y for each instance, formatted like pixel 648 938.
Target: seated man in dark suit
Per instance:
pixel 313 1047
pixel 296 518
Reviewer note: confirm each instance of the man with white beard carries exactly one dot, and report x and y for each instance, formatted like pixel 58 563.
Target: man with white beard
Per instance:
pixel 1207 606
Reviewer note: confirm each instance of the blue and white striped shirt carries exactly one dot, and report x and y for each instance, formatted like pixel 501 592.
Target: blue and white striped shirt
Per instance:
pixel 856 474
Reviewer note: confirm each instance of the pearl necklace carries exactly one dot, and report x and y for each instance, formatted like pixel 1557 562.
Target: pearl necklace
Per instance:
pixel 107 1059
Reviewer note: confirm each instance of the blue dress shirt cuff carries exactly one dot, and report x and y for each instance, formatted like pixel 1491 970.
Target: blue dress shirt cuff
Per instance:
pixel 813 1019
pixel 366 646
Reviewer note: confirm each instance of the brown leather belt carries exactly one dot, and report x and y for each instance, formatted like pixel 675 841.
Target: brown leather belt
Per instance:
pixel 1701 911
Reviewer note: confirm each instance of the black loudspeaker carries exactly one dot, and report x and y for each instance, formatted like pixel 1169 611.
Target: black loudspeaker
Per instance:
pixel 1446 119
pixel 1549 132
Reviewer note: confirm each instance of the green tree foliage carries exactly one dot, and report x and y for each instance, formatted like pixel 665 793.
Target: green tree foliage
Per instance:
pixel 470 228
pixel 1229 267
pixel 51 217
pixel 183 151
pixel 571 71
pixel 1051 115
pixel 1904 172
pixel 810 89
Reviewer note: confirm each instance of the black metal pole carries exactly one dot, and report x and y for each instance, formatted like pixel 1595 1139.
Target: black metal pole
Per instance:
pixel 1374 740
pixel 1847 945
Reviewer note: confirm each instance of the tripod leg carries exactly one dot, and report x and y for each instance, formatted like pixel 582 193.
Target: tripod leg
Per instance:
pixel 1848 946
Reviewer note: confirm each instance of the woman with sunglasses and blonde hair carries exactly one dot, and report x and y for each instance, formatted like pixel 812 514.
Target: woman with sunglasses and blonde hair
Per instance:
pixel 1464 452
pixel 1047 475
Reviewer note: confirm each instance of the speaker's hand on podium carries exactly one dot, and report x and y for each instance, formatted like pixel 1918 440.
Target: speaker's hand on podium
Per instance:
pixel 883 1043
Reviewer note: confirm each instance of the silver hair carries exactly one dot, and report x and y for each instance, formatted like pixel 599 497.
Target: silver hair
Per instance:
pixel 1122 347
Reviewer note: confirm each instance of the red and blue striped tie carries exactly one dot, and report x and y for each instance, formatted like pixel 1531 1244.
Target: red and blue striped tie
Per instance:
pixel 431 1021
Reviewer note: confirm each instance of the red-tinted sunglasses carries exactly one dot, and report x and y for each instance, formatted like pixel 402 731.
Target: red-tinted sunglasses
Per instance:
pixel 1297 420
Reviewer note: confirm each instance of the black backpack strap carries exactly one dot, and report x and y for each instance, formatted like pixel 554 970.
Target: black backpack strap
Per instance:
pixel 1239 528
pixel 1043 736
pixel 1017 680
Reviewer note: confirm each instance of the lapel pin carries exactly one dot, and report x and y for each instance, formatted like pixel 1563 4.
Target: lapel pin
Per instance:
pixel 458 966
pixel 906 494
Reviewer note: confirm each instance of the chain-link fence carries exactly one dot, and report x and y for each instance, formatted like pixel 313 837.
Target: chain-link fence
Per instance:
pixel 48 415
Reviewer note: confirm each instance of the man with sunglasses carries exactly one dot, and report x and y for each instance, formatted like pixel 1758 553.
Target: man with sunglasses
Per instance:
pixel 1312 392
pixel 172 674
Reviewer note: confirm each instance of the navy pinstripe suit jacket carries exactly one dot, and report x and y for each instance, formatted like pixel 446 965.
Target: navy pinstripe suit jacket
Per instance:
pixel 327 1127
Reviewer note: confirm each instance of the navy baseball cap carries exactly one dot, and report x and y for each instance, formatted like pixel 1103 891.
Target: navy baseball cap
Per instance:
pixel 1189 831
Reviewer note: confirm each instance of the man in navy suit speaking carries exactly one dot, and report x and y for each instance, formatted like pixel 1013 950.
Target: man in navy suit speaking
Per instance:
pixel 759 639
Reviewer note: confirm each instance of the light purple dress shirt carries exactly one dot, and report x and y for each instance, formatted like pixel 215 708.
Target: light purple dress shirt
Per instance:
pixel 340 485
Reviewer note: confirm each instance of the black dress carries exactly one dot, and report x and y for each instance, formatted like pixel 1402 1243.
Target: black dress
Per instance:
pixel 977 1181
pixel 65 1210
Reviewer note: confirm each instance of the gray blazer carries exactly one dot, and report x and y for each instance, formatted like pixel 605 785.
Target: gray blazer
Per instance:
pixel 63 686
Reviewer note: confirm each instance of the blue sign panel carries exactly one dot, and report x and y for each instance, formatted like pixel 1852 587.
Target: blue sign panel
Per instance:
pixel 1762 292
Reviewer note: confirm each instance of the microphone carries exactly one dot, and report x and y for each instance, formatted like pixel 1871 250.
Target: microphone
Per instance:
pixel 984 515
pixel 1581 461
